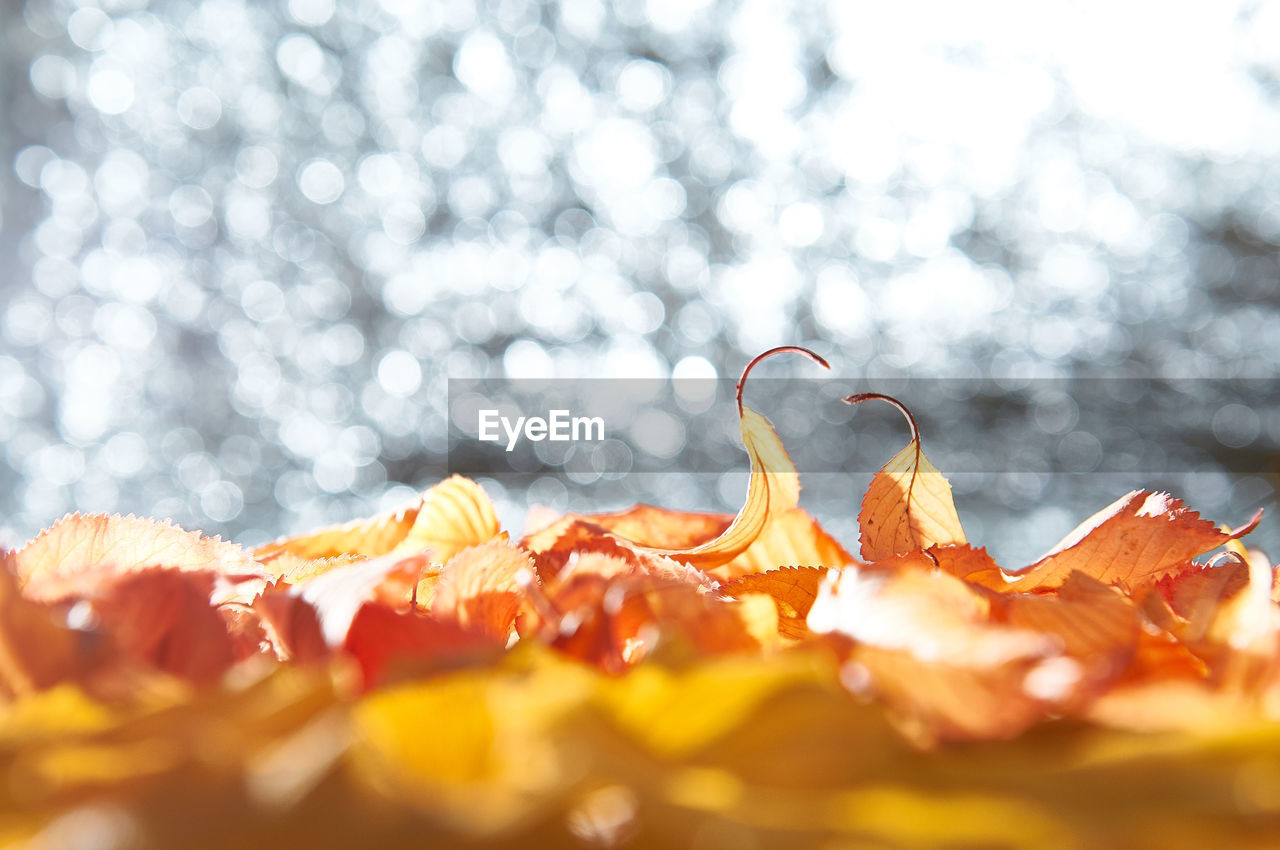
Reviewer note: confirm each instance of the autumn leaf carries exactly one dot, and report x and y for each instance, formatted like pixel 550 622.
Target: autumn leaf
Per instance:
pixel 163 618
pixel 925 642
pixel 908 505
pixel 49 567
pixel 792 538
pixel 1132 543
pixel 339 594
pixel 37 650
pixel 1098 626
pixel 454 515
pixel 967 562
pixel 639 525
pixel 289 568
pixel 385 641
pixel 447 518
pixel 480 588
pixel 774 487
pixel 792 589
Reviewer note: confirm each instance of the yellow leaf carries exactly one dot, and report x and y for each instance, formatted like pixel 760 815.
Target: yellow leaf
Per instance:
pixel 774 486
pixel 455 514
pixel 446 519
pixel 908 505
pixel 791 538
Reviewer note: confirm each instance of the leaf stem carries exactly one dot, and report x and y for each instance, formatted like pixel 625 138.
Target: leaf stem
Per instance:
pixel 816 358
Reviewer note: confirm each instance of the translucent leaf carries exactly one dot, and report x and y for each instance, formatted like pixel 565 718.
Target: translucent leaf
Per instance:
pixel 1132 543
pixel 792 589
pixel 792 538
pixel 480 588
pixel 50 566
pixel 447 518
pixel 908 505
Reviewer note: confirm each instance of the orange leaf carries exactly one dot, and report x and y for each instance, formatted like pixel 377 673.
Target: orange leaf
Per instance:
pixel 479 588
pixel 615 621
pixel 792 589
pixel 966 562
pixel 643 525
pixel 573 551
pixel 36 649
pixel 924 642
pixel 450 516
pixel 382 639
pixel 1097 626
pixel 555 545
pixel 55 563
pixel 1132 543
pixel 338 594
pixel 163 617
pixel 908 505
pixel 291 626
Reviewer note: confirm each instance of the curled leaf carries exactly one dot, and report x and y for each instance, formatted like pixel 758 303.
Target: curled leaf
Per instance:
pixel 774 486
pixel 454 515
pixel 908 505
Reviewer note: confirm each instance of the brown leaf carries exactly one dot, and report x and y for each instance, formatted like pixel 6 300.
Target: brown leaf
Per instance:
pixel 1132 543
pixel 908 505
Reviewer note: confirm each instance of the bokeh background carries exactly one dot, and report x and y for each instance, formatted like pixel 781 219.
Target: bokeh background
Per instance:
pixel 244 246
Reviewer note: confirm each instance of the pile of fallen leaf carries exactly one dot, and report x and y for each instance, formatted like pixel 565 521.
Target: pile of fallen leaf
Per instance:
pixel 644 678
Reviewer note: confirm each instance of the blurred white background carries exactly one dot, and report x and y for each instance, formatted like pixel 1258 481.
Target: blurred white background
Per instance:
pixel 244 246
